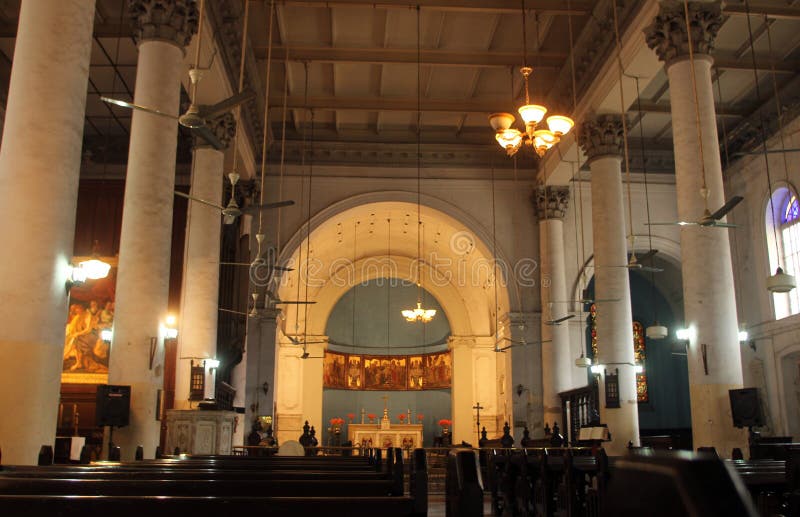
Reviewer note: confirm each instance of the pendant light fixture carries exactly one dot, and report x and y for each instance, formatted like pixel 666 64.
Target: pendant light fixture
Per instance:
pixel 780 282
pixel 419 313
pixel 540 139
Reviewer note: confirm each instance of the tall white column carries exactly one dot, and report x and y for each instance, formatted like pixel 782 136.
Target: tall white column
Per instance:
pixel 709 298
pixel 163 29
pixel 39 168
pixel 261 350
pixel 200 294
pixel 551 206
pixel 601 139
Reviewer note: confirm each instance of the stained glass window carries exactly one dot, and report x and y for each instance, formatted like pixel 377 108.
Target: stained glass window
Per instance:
pixel 639 352
pixel 791 211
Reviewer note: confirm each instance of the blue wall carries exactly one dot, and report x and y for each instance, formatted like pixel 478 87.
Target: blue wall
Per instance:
pixel 667 372
pixel 380 329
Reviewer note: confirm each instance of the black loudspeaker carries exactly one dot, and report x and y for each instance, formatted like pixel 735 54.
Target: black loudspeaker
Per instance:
pixel 113 405
pixel 746 408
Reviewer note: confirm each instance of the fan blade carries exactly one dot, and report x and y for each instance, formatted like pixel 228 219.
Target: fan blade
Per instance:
pixel 675 223
pixel 192 198
pixel 724 225
pixel 650 269
pixel 215 110
pixel 727 207
pixel 647 255
pixel 559 320
pixel 251 264
pixel 131 105
pixel 210 138
pixel 233 312
pixel 254 209
pixel 293 302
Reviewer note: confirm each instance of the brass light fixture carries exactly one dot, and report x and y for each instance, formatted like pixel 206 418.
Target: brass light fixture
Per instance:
pixel 419 313
pixel 539 138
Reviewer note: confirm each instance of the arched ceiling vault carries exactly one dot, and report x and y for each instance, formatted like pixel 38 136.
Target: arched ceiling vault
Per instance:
pixel 375 235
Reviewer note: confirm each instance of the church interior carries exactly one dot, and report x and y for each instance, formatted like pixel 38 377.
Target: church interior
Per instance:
pixel 399 224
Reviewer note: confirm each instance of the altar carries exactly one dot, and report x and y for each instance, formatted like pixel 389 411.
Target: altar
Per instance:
pixel 405 436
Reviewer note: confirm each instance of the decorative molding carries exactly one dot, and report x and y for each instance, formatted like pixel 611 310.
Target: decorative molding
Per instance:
pixel 173 21
pixel 668 35
pixel 222 127
pixel 550 202
pixel 601 136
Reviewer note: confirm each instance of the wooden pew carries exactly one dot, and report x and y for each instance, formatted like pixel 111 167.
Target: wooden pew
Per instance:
pixel 463 484
pixel 208 485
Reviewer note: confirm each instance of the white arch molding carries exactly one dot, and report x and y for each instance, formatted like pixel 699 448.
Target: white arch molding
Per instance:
pixel 462 283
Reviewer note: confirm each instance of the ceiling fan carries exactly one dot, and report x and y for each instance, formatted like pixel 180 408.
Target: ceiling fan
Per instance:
pixel 266 260
pixel 196 116
pixel 634 263
pixel 303 342
pixel 709 219
pixel 232 210
pixel 306 355
pixel 517 343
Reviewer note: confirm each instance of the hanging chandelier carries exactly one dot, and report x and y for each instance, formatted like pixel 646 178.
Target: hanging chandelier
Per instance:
pixel 418 313
pixel 540 139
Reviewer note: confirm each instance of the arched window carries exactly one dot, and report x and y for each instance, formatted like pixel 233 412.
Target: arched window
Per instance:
pixel 783 241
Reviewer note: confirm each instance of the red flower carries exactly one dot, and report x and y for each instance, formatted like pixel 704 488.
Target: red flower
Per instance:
pixel 420 417
pixel 351 415
pixel 337 421
pixel 371 416
pixel 401 416
pixel 445 422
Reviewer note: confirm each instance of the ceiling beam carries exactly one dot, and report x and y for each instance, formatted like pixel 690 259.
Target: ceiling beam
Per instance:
pixel 492 59
pixel 781 67
pixel 101 30
pixel 721 111
pixel 578 7
pixel 758 8
pixel 389 104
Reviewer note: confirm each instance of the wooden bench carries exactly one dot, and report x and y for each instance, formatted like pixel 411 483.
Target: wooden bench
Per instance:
pixel 208 485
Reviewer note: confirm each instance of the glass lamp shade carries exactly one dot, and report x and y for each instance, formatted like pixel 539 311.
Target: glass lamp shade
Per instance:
pixel 544 139
pixel 500 121
pixel 656 331
pixel 95 269
pixel 532 113
pixel 559 124
pixel 509 139
pixel 780 282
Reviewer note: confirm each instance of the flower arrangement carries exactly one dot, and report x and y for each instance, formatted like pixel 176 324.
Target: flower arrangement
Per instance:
pixel 336 421
pixel 420 417
pixel 351 416
pixel 445 422
pixel 371 417
pixel 401 417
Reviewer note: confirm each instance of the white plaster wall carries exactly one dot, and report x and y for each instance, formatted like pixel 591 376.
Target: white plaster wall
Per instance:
pixel 773 340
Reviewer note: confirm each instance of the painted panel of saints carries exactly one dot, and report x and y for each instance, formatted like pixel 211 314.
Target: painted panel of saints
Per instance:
pixel 333 370
pixel 438 368
pixel 385 372
pixel 416 372
pixel 91 311
pixel 355 372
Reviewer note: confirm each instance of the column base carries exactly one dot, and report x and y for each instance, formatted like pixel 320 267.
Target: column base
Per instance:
pixel 712 422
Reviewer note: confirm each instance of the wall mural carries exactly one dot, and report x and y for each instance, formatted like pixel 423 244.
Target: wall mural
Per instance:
pixel 387 372
pixel 91 310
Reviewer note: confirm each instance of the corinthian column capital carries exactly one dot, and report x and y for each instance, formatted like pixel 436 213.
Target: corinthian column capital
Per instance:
pixel 173 21
pixel 222 127
pixel 550 202
pixel 601 136
pixel 667 35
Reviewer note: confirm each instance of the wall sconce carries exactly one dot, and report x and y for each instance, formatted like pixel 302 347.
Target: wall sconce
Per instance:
pixel 106 335
pixel 638 368
pixel 597 369
pixel 170 327
pixel 211 363
pixel 743 336
pixel 686 334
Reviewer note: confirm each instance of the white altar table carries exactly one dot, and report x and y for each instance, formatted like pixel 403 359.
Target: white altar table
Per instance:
pixel 405 436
